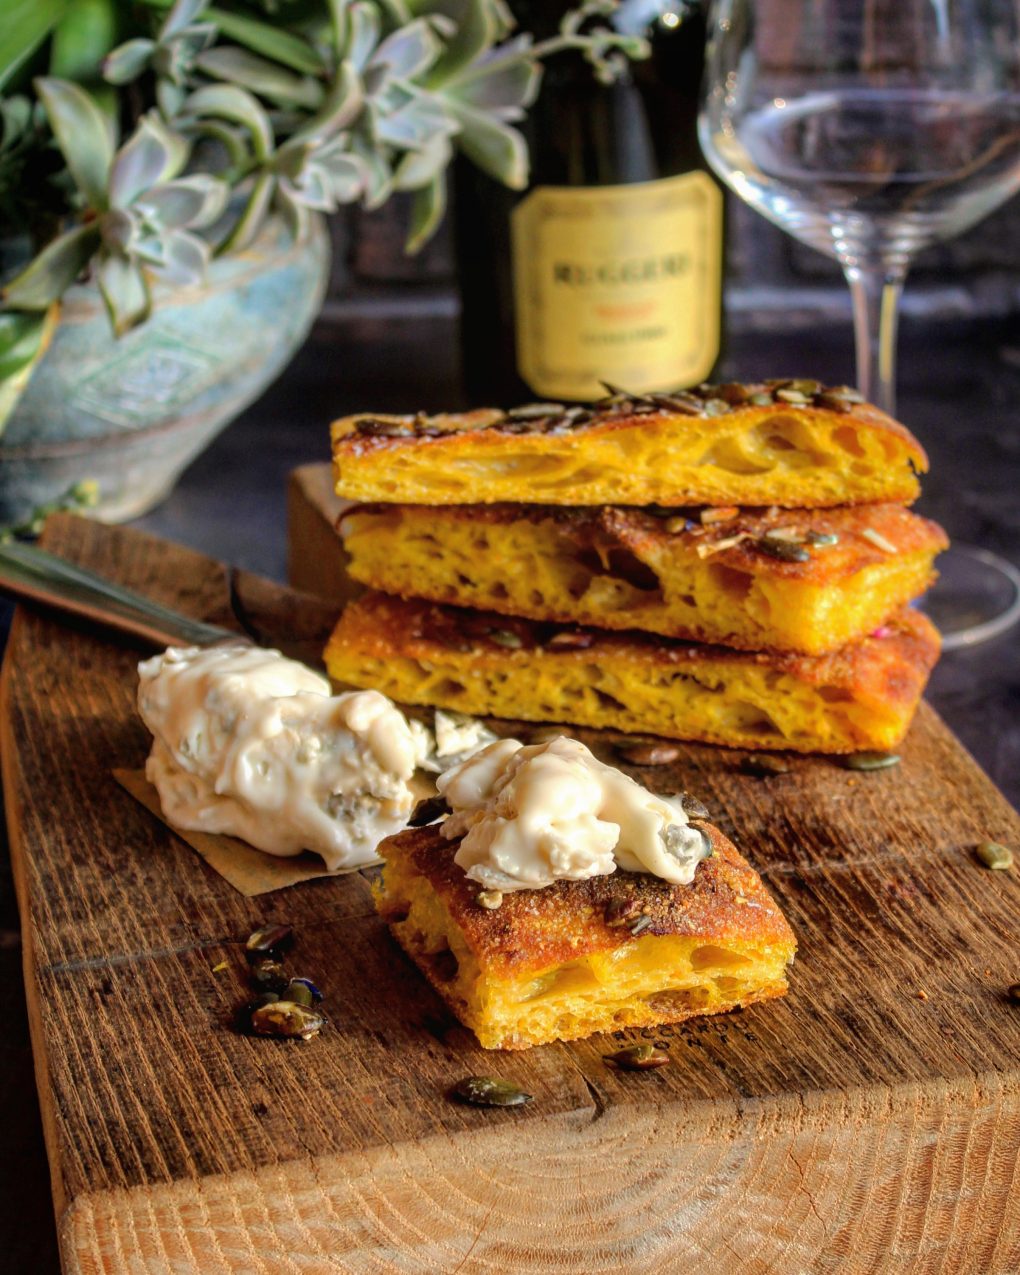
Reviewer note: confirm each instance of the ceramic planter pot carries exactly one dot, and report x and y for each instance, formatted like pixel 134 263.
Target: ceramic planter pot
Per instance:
pixel 131 413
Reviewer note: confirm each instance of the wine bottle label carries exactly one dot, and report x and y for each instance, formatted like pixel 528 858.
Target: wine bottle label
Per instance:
pixel 618 284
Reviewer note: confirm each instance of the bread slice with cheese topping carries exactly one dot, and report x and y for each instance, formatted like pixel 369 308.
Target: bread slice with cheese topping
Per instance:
pixel 577 957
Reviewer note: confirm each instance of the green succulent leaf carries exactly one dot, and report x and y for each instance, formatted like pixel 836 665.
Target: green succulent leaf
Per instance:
pixel 24 338
pixel 345 172
pixel 259 75
pixel 253 215
pixel 181 16
pixel 196 200
pixel 120 231
pixel 378 176
pixel 125 292
pixel 127 62
pixel 185 259
pixel 52 272
pixel 427 210
pixel 408 52
pixel 310 188
pixel 480 24
pixel 343 104
pixel 83 133
pixel 494 147
pixel 229 102
pixel 338 25
pixel 419 168
pixel 152 154
pixel 502 83
pixel 272 42
pixel 170 98
pixel 294 212
pixel 415 121
pixel 25 25
pixel 364 30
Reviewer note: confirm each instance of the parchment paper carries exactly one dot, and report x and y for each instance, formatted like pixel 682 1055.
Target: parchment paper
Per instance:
pixel 249 871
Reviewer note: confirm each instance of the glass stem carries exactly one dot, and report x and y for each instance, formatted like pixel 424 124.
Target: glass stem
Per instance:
pixel 875 289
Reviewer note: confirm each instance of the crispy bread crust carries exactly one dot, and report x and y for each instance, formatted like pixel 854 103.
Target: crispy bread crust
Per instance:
pixel 535 929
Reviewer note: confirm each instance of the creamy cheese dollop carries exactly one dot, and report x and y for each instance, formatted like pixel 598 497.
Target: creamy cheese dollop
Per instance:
pixel 533 815
pixel 250 743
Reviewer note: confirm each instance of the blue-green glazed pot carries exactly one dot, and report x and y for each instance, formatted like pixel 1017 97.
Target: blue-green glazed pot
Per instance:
pixel 130 413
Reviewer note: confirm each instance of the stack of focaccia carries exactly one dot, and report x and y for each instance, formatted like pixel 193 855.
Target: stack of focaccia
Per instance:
pixel 731 564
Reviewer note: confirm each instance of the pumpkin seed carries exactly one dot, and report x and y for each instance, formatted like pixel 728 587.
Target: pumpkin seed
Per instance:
pixel 270 975
pixel 764 766
pixel 846 392
pixel 676 525
pixel 621 911
pixel 692 807
pixel 490 899
pixel 721 513
pixel 834 403
pixel 783 550
pixel 731 392
pixel 822 539
pixel 640 925
pixel 994 855
pixel 506 638
pixel 716 407
pixel 242 1019
pixel 428 810
pixel 794 397
pixel 287 1020
pixel 373 428
pixel 878 540
pixel 648 754
pixel 638 1058
pixel 302 991
pixel 535 411
pixel 488 1091
pixel 760 400
pixel 268 940
pixel 869 761
pixel 676 403
pixel 570 640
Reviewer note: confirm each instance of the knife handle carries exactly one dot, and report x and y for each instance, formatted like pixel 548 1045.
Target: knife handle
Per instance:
pixel 38 576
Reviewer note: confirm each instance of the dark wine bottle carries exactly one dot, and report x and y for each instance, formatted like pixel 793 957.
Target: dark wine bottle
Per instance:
pixel 608 268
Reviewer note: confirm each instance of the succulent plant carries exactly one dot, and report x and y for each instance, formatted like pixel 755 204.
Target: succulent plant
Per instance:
pixel 232 117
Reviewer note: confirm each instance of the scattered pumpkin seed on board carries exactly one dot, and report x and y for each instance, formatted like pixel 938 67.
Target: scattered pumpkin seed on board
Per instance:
pixel 638 1058
pixel 489 1091
pixel 994 855
pixel 869 761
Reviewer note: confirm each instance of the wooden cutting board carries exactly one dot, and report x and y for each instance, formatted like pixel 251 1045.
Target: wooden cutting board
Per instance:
pixel 870 1122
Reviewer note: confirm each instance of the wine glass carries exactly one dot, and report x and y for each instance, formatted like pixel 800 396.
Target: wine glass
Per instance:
pixel 870 129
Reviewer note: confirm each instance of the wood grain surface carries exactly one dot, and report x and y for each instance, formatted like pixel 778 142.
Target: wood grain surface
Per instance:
pixel 870 1122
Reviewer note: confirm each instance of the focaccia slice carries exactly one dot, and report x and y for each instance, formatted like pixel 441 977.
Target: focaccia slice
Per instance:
pixel 862 696
pixel 624 950
pixel 780 443
pixel 727 576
